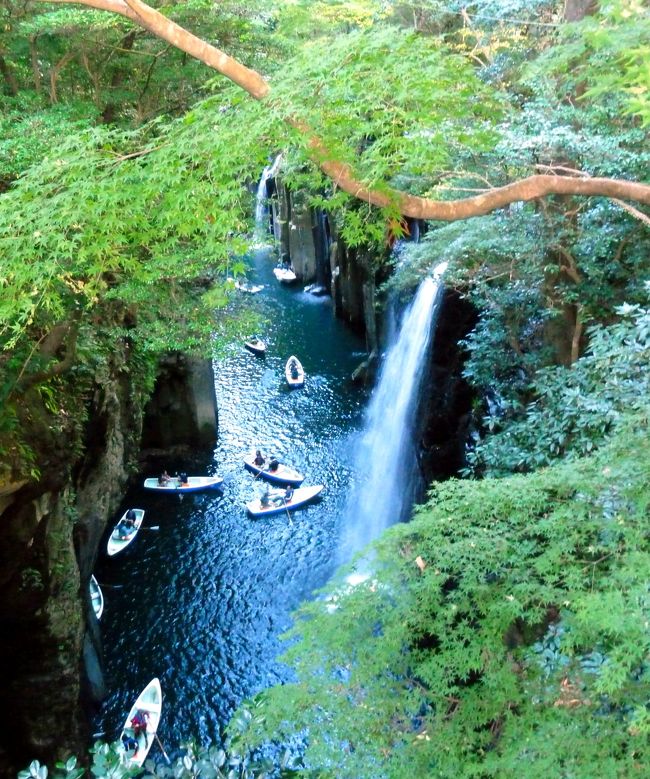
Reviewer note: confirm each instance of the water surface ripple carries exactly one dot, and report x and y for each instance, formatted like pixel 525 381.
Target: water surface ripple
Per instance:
pixel 202 601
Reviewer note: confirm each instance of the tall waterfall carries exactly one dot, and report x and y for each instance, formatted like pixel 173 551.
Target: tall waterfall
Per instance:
pixel 386 459
pixel 261 205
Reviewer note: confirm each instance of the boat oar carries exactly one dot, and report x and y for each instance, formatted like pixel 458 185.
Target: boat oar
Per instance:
pixel 153 527
pixel 287 510
pixel 162 749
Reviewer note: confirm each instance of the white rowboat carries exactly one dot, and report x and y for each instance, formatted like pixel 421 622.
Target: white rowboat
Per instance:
pixel 284 275
pixel 117 542
pixel 150 702
pixel 281 475
pixel 244 286
pixel 294 372
pixel 256 345
pixel 193 484
pixel 96 597
pixel 278 503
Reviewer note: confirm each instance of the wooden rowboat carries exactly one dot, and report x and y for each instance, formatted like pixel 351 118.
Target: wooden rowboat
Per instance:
pixel 149 703
pixel 256 345
pixel 294 372
pixel 96 597
pixel 278 503
pixel 117 542
pixel 193 484
pixel 281 475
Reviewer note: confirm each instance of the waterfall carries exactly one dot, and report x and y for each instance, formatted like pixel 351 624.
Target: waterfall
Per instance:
pixel 385 461
pixel 261 206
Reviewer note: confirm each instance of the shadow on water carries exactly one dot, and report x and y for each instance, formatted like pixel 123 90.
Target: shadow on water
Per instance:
pixel 202 601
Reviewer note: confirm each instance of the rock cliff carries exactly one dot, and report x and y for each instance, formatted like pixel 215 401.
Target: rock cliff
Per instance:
pixel 50 533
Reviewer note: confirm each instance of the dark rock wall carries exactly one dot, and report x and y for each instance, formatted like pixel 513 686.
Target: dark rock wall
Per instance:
pixel 308 239
pixel 182 411
pixel 445 411
pixel 50 531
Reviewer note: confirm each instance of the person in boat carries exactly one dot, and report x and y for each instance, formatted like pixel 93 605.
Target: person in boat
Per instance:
pixel 126 525
pixel 293 368
pixel 164 479
pixel 265 500
pixel 139 724
pixel 129 741
pixel 182 478
pixel 288 494
pixel 259 459
pixel 273 465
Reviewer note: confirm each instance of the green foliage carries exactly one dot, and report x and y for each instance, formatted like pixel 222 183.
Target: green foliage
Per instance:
pixel 27 135
pixel 608 53
pixel 67 770
pixel 227 762
pixel 575 408
pixel 522 638
pixel 395 106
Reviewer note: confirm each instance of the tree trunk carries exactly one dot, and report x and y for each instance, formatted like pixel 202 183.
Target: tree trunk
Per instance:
pixel 54 75
pixel 7 70
pixel 36 68
pixel 118 77
pixel 575 10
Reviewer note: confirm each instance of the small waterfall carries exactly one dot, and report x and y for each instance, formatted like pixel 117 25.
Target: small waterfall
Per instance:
pixel 386 460
pixel 261 205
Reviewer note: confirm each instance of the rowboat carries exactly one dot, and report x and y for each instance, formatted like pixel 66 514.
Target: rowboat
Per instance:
pixel 284 275
pixel 149 704
pixel 117 542
pixel 279 504
pixel 280 475
pixel 294 372
pixel 96 597
pixel 193 484
pixel 256 345
pixel 244 286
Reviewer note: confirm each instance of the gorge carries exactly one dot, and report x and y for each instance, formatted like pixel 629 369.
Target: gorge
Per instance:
pixel 505 623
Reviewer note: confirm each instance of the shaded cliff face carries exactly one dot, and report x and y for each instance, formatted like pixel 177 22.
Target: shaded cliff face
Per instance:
pixel 308 239
pixel 49 535
pixel 50 531
pixel 181 414
pixel 445 411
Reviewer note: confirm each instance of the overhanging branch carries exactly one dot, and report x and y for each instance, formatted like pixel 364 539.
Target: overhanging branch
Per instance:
pixel 530 188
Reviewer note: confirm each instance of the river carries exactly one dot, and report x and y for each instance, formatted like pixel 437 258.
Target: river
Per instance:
pixel 202 601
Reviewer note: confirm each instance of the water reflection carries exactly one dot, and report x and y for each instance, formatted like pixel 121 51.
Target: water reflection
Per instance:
pixel 201 602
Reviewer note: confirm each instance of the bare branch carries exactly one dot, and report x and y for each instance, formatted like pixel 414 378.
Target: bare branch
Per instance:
pixel 631 210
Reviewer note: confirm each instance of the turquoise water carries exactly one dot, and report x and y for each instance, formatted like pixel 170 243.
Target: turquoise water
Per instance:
pixel 202 601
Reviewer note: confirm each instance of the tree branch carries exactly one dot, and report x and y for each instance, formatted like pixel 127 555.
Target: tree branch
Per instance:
pixel 49 344
pixel 530 188
pixel 54 75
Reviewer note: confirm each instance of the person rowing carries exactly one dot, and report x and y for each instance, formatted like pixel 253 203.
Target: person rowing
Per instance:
pixel 126 525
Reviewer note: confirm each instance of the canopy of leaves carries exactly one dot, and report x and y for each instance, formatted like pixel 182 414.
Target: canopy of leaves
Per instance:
pixel 519 638
pixel 577 407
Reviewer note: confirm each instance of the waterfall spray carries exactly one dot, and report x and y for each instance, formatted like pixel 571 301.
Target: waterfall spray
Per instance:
pixel 386 458
pixel 261 206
